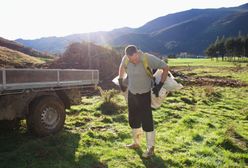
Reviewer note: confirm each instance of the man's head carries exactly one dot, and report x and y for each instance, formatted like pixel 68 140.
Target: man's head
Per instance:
pixel 131 52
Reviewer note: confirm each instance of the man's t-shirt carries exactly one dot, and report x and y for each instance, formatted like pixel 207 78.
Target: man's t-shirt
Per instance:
pixel 138 80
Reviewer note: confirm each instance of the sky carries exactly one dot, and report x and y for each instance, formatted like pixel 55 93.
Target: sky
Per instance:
pixel 31 19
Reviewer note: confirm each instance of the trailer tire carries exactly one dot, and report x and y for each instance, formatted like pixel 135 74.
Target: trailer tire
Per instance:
pixel 47 116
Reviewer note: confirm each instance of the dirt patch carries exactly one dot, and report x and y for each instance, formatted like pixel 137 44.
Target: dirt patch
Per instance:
pixel 100 128
pixel 207 80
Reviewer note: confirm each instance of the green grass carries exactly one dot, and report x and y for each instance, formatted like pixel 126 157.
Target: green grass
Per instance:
pixel 208 67
pixel 195 127
pixel 45 59
pixel 201 62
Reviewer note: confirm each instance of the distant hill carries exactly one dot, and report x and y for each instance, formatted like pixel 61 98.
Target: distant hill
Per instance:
pixel 21 48
pixel 15 59
pixel 58 44
pixel 188 31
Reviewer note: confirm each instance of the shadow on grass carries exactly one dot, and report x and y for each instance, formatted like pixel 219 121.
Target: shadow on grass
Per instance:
pixel 234 142
pixel 156 161
pixel 20 149
pixel 110 108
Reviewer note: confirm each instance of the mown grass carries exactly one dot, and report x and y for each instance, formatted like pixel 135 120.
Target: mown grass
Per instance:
pixel 203 126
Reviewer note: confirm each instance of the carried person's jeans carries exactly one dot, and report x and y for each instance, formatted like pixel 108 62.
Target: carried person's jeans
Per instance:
pixel 140 111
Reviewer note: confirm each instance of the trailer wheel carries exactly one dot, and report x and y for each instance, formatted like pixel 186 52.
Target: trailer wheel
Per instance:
pixel 47 116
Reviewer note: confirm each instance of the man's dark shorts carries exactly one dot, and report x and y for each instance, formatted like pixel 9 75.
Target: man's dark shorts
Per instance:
pixel 139 111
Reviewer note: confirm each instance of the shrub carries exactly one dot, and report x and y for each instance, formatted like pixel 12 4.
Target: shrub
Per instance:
pixel 107 95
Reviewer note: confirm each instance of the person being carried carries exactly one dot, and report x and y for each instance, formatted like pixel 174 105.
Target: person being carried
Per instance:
pixel 139 88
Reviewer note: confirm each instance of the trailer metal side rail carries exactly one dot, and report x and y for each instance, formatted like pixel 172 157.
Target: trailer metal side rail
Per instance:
pixel 17 79
pixel 14 92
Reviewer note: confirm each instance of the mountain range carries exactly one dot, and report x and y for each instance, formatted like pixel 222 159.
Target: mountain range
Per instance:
pixel 188 31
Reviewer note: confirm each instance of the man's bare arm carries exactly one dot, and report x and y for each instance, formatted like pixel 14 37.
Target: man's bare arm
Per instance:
pixel 121 71
pixel 165 73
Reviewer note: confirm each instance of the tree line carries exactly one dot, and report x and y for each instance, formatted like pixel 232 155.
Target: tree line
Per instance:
pixel 230 48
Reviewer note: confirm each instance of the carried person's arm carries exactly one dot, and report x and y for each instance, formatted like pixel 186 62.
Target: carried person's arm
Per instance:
pixel 121 76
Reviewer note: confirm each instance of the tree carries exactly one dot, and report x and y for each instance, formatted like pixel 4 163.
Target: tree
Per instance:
pixel 238 48
pixel 229 45
pixel 220 48
pixel 245 45
pixel 211 51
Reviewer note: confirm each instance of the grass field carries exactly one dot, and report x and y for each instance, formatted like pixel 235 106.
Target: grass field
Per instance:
pixel 204 62
pixel 208 67
pixel 198 126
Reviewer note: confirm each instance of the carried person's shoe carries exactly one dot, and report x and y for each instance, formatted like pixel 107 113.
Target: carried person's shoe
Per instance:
pixel 150 141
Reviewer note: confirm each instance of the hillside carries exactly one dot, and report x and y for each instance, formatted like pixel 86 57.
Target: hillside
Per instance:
pixel 21 48
pixel 90 56
pixel 187 31
pixel 15 59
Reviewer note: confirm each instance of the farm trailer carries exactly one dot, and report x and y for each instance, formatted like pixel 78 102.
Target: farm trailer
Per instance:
pixel 41 95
